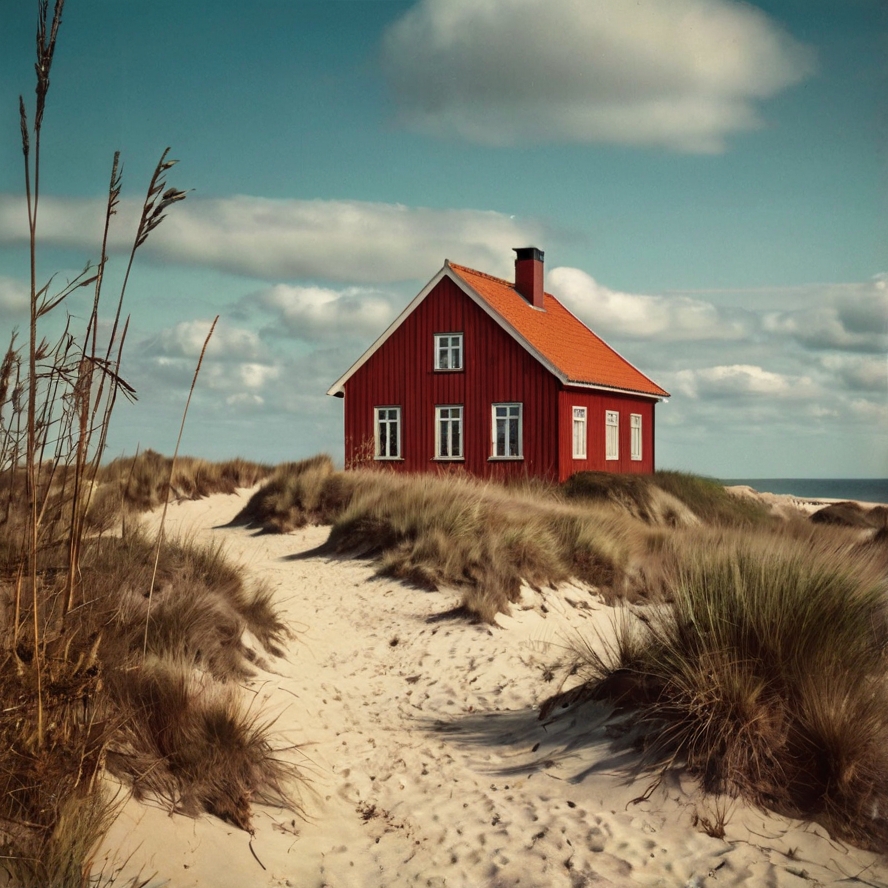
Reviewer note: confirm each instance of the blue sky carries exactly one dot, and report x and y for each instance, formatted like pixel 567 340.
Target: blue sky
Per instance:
pixel 706 177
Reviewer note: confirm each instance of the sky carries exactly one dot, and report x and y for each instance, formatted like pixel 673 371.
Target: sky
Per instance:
pixel 707 178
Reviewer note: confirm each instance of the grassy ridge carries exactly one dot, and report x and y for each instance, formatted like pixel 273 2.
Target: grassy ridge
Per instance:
pixel 486 539
pixel 143 482
pixel 482 538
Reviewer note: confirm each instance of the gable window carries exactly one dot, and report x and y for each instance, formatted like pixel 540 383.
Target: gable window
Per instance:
pixel 579 432
pixel 448 351
pixel 635 432
pixel 448 432
pixel 507 432
pixel 612 434
pixel 387 426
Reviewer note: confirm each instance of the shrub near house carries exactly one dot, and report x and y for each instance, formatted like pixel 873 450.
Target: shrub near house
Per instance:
pixel 500 379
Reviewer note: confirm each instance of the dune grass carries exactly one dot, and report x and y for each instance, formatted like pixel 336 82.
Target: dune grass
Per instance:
pixel 172 725
pixel 485 538
pixel 766 677
pixel 479 537
pixel 706 499
pixel 144 482
pixel 78 694
pixel 310 491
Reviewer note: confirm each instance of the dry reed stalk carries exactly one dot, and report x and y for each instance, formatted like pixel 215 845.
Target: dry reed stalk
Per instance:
pixel 166 499
pixel 45 52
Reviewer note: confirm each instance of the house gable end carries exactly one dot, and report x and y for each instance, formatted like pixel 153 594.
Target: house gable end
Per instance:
pixel 338 387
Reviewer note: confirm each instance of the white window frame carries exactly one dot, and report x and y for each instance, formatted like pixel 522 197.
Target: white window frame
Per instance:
pixel 635 433
pixel 449 419
pixel 386 416
pixel 512 411
pixel 579 430
pixel 449 347
pixel 611 434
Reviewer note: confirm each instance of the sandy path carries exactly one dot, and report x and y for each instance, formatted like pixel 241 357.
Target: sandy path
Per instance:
pixel 428 765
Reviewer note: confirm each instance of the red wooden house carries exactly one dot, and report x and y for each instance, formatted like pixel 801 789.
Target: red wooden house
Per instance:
pixel 500 379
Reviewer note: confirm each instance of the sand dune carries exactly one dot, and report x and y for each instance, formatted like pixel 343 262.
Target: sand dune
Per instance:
pixel 427 763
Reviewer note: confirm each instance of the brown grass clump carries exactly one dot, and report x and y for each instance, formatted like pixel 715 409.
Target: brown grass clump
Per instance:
pixel 297 494
pixel 190 741
pixel 766 677
pixel 642 496
pixel 480 537
pixel 143 482
pixel 206 752
pixel 851 514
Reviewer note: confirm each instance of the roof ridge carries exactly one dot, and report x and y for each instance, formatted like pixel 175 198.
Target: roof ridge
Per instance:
pixel 484 274
pixel 498 280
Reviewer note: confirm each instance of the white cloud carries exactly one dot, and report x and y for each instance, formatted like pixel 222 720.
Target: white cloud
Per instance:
pixel 348 241
pixel 14 297
pixel 247 375
pixel 66 222
pixel 634 316
pixel 858 372
pixel 844 317
pixel 319 313
pixel 245 401
pixel 872 412
pixel 186 339
pixel 683 74
pixel 236 371
pixel 741 380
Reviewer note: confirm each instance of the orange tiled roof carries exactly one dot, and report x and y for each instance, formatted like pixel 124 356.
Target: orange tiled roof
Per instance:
pixel 559 337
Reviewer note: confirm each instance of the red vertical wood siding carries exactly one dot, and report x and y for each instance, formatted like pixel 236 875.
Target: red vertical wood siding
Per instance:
pixel 596 404
pixel 496 370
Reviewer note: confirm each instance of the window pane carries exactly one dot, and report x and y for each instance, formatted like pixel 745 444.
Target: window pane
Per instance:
pixel 635 444
pixel 448 351
pixel 506 420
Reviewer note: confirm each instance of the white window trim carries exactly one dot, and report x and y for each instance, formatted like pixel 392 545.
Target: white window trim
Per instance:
pixel 611 421
pixel 377 448
pixel 460 457
pixel 493 454
pixel 578 417
pixel 450 347
pixel 636 445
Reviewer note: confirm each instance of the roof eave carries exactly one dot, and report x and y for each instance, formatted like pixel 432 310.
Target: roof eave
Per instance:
pixel 662 396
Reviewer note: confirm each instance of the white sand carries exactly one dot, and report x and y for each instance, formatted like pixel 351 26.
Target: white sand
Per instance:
pixel 428 765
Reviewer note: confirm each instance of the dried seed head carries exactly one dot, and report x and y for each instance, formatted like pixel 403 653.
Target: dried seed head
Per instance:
pixel 23 120
pixel 158 199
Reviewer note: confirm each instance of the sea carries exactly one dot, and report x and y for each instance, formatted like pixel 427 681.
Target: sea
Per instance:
pixel 865 490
